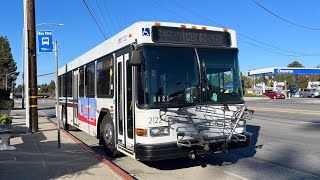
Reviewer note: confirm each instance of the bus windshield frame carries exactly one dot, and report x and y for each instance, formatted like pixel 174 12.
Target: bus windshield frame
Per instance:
pixel 187 76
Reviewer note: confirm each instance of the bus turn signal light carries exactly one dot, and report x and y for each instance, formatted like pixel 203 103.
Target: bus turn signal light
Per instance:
pixel 141 132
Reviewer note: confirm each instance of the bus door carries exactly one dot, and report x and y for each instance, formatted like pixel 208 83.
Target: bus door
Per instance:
pixel 124 102
pixel 75 97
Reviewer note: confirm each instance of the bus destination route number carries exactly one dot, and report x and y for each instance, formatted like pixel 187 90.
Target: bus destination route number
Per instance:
pixel 161 34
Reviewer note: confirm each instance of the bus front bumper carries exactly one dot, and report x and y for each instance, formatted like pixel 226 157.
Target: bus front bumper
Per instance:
pixel 155 152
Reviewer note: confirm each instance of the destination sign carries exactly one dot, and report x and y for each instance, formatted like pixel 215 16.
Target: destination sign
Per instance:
pixel 161 34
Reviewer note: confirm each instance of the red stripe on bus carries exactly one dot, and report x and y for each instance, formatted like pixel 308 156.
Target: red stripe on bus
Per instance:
pixel 74 105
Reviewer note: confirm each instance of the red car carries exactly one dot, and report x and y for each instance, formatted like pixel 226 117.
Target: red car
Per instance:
pixel 274 95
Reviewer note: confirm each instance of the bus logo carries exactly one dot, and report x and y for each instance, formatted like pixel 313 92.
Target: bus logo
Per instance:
pixel 145 31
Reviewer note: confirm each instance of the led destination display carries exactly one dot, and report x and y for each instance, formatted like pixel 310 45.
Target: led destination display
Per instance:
pixel 161 34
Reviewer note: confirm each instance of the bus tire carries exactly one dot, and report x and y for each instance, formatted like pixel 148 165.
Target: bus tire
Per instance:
pixel 107 137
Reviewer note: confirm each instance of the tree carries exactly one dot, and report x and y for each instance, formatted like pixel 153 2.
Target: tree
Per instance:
pixel 301 79
pixel 52 85
pixel 18 89
pixel 295 64
pixel 7 64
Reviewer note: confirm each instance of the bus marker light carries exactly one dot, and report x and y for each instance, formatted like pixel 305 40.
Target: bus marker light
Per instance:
pixel 130 35
pixel 194 27
pixel 183 26
pixel 204 28
pixel 157 23
pixel 141 132
pixel 225 29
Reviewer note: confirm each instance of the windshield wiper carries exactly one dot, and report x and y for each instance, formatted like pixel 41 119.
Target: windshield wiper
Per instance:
pixel 176 95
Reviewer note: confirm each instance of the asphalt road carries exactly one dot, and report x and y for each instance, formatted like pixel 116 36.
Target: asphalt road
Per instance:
pixel 285 145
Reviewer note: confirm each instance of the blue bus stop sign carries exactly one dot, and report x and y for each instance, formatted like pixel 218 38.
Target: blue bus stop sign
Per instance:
pixel 45 41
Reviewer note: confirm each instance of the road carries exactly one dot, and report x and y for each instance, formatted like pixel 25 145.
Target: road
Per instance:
pixel 285 145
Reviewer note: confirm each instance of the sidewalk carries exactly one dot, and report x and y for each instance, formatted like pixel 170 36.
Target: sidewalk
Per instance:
pixel 37 155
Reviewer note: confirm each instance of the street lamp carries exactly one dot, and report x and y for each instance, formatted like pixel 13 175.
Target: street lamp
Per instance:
pixel 50 23
pixel 9 74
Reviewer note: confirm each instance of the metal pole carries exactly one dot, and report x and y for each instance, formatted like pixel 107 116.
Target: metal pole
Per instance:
pixel 6 82
pixel 55 44
pixel 26 64
pixel 23 49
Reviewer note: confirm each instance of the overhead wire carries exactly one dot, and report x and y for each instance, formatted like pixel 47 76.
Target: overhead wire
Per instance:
pixel 172 12
pixel 123 7
pixel 115 14
pixel 257 41
pixel 95 20
pixel 283 19
pixel 111 19
pixel 104 19
pixel 269 50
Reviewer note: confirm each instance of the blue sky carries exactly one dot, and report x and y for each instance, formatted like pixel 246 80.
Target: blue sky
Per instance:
pixel 80 33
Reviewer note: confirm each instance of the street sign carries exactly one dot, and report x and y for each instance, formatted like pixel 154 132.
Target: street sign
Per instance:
pixel 45 41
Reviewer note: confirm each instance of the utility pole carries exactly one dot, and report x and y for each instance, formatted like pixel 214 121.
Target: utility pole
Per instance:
pixel 32 66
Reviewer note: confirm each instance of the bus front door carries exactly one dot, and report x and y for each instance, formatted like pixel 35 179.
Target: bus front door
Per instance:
pixel 124 103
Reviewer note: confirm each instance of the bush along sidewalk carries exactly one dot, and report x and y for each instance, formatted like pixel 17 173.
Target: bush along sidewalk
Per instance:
pixel 5 132
pixel 6 105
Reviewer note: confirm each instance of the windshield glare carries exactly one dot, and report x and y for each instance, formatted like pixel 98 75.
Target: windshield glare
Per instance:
pixel 174 76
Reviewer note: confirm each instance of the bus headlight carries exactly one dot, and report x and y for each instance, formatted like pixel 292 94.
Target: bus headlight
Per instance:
pixel 241 123
pixel 159 131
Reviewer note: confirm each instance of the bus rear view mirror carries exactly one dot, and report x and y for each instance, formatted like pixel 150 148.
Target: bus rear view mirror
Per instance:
pixel 136 58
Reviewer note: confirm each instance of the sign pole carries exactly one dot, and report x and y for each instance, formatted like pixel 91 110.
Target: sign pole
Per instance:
pixel 55 44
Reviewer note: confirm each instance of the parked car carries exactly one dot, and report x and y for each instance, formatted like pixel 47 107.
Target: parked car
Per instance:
pixel 309 93
pixel 274 95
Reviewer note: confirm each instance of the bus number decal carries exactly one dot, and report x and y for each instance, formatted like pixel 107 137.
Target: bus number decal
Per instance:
pixel 154 120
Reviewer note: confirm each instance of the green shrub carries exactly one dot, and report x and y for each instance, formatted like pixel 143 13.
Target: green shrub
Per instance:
pixel 5 119
pixel 6 104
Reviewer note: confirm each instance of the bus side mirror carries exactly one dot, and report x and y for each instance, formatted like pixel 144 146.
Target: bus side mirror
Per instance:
pixel 136 57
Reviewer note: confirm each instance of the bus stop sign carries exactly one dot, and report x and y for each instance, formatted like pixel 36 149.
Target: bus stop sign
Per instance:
pixel 45 41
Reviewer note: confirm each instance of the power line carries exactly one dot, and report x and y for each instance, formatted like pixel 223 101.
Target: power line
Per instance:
pixel 283 19
pixel 173 12
pixel 195 13
pixel 252 39
pixel 111 19
pixel 103 17
pixel 95 20
pixel 45 74
pixel 269 50
pixel 123 7
pixel 114 12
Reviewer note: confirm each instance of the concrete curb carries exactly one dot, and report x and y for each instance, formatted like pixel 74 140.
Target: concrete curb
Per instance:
pixel 116 169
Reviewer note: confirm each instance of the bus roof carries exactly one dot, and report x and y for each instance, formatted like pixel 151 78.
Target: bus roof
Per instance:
pixel 140 33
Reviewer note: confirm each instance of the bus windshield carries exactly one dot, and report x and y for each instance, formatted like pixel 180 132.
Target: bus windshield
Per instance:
pixel 180 76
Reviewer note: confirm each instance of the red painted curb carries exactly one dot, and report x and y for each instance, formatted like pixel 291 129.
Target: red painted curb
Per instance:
pixel 108 163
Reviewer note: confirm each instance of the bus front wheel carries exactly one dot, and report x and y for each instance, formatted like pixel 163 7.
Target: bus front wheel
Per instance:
pixel 107 137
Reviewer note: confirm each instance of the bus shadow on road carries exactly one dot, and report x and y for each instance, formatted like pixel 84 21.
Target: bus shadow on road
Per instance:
pixel 221 159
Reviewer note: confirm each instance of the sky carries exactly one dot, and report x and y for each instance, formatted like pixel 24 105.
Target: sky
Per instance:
pixel 264 40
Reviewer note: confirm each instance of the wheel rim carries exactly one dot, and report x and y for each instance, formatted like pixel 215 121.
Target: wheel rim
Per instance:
pixel 108 136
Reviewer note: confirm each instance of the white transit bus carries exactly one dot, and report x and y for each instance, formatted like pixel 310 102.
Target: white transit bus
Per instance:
pixel 158 90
